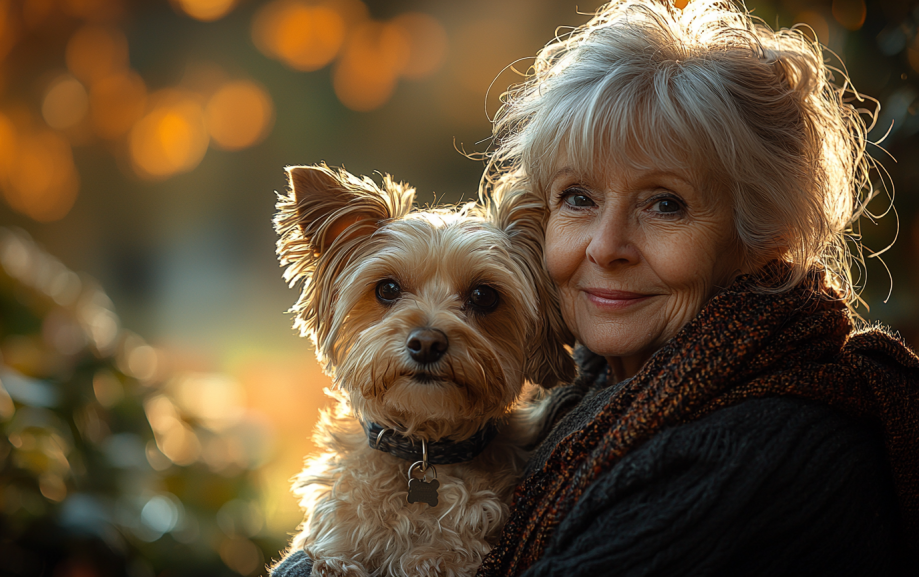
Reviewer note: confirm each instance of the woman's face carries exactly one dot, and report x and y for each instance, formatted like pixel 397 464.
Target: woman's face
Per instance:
pixel 636 254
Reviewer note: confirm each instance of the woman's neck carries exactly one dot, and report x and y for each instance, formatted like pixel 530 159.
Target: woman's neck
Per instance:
pixel 625 367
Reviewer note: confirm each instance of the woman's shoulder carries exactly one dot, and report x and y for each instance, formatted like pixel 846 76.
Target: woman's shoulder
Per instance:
pixel 294 564
pixel 772 434
pixel 761 487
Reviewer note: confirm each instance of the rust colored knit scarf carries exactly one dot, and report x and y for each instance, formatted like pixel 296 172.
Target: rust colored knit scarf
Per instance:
pixel 742 345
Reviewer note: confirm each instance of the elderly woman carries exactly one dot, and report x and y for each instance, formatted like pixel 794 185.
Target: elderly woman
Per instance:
pixel 698 174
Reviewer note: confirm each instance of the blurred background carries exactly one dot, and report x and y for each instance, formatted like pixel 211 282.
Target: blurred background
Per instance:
pixel 154 401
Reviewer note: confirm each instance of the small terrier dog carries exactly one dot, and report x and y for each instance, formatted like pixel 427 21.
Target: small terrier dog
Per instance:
pixel 429 323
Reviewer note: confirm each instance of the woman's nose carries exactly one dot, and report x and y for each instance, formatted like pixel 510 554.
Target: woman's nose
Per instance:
pixel 612 242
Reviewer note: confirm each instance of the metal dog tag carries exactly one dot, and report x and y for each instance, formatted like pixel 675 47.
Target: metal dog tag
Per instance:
pixel 420 490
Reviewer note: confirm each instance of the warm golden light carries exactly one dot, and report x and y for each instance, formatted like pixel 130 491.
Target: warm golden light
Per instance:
pixel 107 388
pixel 42 180
pixel 241 555
pixel 34 12
pixel 174 438
pixel 7 145
pixel 7 407
pixel 143 362
pixel 52 487
pixel 305 37
pixel 239 115
pixel 282 387
pixel 171 138
pixel 65 103
pixel 488 47
pixel 819 27
pixel 94 10
pixel 205 10
pixel 912 54
pixel 214 400
pixel 116 103
pixel 94 52
pixel 427 41
pixel 8 29
pixel 365 75
pixel 850 13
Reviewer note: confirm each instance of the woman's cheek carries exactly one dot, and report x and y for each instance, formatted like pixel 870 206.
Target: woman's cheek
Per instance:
pixel 565 249
pixel 565 252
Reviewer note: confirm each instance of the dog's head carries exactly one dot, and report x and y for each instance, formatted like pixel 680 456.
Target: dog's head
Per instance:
pixel 429 320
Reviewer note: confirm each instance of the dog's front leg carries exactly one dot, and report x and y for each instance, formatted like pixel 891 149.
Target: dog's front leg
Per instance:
pixel 338 567
pixel 334 554
pixel 331 537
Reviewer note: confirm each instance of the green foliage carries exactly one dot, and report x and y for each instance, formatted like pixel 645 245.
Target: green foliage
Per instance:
pixel 84 487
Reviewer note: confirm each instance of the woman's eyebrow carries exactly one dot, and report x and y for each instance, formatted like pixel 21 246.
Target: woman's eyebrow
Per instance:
pixel 561 172
pixel 667 174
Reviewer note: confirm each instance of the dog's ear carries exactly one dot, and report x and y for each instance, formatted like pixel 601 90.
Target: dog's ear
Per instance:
pixel 332 206
pixel 522 216
pixel 322 220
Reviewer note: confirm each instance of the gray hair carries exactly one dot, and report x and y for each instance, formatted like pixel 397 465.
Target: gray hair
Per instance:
pixel 751 111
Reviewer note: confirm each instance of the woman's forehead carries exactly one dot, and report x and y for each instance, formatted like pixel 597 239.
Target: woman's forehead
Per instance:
pixel 609 163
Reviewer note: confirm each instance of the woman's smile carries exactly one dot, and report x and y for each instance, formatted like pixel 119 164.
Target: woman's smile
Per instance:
pixel 614 299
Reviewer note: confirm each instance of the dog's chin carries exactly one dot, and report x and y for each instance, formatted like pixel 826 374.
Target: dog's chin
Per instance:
pixel 423 378
pixel 426 394
pixel 428 405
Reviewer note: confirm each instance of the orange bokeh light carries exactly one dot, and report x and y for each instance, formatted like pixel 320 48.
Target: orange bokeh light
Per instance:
pixel 912 54
pixel 171 138
pixel 304 36
pixel 205 10
pixel 94 52
pixel 35 12
pixel 9 32
pixel 427 42
pixel 7 145
pixel 819 27
pixel 365 76
pixel 116 103
pixel 66 103
pixel 42 179
pixel 239 115
pixel 96 10
pixel 850 13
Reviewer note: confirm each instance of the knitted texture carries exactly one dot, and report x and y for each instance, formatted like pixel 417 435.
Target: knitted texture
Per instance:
pixel 767 487
pixel 295 564
pixel 743 344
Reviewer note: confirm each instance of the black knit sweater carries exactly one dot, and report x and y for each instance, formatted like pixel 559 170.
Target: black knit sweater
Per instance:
pixel 766 487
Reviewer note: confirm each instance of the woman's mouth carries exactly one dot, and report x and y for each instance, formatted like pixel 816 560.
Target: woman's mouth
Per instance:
pixel 614 299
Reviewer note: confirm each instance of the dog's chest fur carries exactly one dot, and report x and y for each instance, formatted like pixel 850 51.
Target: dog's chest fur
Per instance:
pixel 356 503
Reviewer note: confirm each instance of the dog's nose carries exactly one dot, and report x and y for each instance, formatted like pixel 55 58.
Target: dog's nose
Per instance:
pixel 426 345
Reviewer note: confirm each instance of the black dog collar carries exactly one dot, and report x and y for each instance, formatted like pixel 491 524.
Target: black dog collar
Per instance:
pixel 442 452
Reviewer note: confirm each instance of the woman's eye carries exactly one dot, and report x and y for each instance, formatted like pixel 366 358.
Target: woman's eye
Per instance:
pixel 667 206
pixel 388 291
pixel 483 297
pixel 577 199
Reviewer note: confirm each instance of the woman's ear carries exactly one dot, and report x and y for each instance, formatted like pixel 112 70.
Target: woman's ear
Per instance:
pixel 522 217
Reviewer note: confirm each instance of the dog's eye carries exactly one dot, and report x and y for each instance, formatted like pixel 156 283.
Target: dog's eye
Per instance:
pixel 483 297
pixel 388 291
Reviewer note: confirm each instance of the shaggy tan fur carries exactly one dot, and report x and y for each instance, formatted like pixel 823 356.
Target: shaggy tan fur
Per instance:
pixel 344 237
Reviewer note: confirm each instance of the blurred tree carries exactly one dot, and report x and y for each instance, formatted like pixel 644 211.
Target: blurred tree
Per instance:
pixel 101 471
